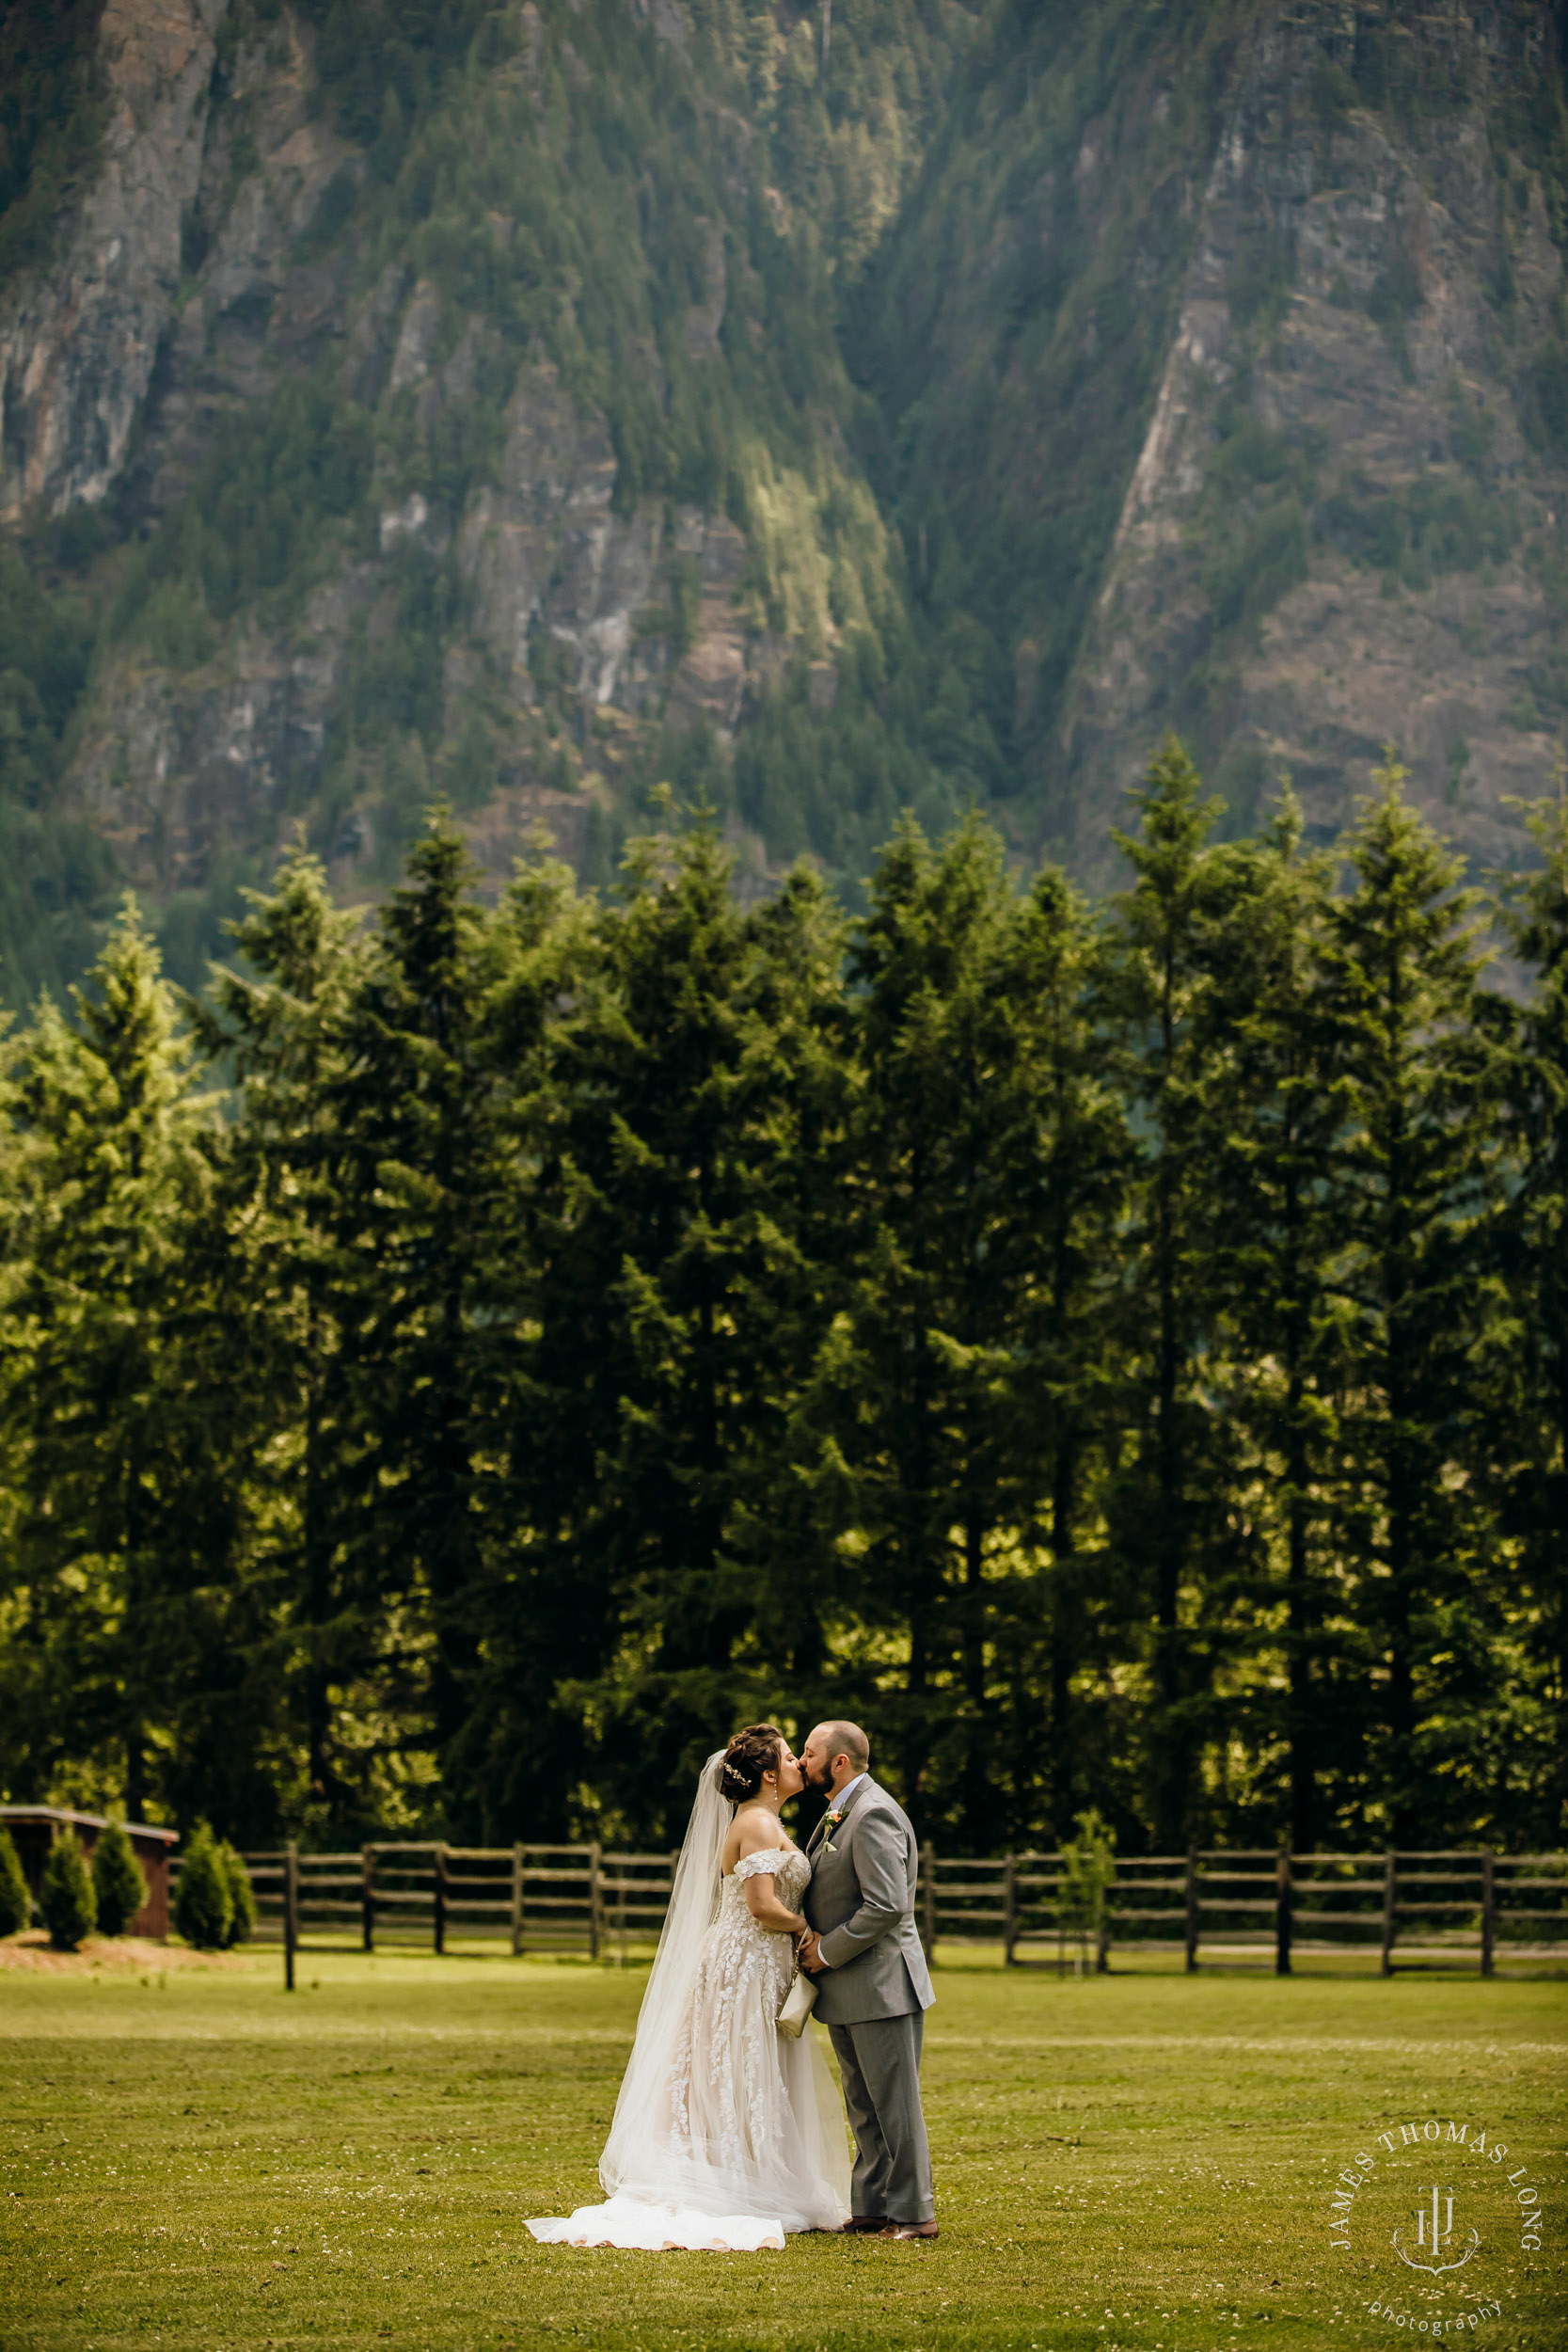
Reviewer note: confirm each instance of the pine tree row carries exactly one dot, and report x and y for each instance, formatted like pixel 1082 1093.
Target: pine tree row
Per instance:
pixel 478 1356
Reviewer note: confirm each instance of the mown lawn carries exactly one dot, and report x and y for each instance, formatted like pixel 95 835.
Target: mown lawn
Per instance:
pixel 1140 2161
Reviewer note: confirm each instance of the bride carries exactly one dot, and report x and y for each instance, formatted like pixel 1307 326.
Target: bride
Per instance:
pixel 727 2133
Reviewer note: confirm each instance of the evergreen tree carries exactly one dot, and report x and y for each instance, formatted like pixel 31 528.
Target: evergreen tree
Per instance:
pixel 281 1032
pixel 203 1905
pixel 123 1504
pixel 16 1907
pixel 118 1887
pixel 19 1666
pixel 242 1896
pixel 1277 1241
pixel 544 1625
pixel 786 1516
pixel 1072 1174
pixel 421 1165
pixel 1528 1384
pixel 672 1265
pixel 65 1894
pixel 943 1216
pixel 1414 1166
pixel 1162 949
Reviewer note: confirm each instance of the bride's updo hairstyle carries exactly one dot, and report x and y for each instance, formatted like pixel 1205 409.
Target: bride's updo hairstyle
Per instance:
pixel 750 1754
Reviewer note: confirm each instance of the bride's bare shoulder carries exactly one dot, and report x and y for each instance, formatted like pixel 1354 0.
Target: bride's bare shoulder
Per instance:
pixel 751 1833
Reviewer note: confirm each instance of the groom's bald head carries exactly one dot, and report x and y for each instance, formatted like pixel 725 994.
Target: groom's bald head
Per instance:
pixel 835 1754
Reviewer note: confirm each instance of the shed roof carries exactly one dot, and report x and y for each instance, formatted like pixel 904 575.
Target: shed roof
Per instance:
pixel 83 1821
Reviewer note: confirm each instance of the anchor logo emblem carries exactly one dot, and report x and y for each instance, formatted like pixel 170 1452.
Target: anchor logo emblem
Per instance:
pixel 1434 2235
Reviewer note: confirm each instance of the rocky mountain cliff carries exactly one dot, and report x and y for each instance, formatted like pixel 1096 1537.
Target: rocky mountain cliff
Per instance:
pixel 1348 520
pixel 1237 400
pixel 831 413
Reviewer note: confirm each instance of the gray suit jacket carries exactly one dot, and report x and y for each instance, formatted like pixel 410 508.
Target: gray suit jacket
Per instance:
pixel 861 1901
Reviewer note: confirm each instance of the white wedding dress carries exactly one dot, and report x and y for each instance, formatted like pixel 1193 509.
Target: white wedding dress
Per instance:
pixel 727 2134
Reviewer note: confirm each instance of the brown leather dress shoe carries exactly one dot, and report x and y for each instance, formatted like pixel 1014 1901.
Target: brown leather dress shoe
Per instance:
pixel 924 2229
pixel 865 2225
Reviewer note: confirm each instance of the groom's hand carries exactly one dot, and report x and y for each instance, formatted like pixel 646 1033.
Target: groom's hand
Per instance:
pixel 809 1951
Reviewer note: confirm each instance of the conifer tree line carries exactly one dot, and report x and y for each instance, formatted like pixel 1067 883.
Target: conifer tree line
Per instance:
pixel 478 1355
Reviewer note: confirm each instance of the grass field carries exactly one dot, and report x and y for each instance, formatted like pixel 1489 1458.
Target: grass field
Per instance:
pixel 206 2162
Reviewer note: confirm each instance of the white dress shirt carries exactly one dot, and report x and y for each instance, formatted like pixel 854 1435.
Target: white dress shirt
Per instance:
pixel 836 1805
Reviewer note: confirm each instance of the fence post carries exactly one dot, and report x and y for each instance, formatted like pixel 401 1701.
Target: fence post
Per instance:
pixel 1102 1939
pixel 1010 1909
pixel 1191 1910
pixel 291 1911
pixel 516 1901
pixel 1282 1913
pixel 1389 1874
pixel 928 1902
pixel 1488 1915
pixel 440 1902
pixel 594 1900
pixel 367 1897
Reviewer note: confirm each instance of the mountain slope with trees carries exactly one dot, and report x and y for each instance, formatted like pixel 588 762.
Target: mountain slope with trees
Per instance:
pixel 832 414
pixel 492 436
pixel 1221 367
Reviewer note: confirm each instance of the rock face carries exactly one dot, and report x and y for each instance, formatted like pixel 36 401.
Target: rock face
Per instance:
pixel 1339 535
pixel 77 350
pixel 179 769
pixel 562 582
pixel 253 304
pixel 568 602
pixel 558 576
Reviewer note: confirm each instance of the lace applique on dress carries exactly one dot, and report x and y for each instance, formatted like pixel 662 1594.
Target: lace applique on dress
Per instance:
pixel 754 1866
pixel 725 2079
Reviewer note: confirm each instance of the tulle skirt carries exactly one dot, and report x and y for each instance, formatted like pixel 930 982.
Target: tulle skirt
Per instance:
pixel 744 2140
pixel 628 2222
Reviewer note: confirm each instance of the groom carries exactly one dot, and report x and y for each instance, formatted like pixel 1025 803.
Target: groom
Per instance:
pixel 873 1989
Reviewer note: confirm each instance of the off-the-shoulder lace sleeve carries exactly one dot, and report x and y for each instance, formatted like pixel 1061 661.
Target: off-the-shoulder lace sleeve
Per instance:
pixel 753 1865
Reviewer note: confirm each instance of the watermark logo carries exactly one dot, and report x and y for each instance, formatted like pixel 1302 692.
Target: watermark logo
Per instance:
pixel 1444 2199
pixel 1434 2234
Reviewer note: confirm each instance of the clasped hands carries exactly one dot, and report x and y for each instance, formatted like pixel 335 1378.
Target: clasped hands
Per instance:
pixel 808 1950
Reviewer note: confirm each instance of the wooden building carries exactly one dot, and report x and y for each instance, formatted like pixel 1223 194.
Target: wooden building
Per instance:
pixel 35 1828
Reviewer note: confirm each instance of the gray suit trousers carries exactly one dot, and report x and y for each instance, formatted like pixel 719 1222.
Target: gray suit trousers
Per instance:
pixel 880 2061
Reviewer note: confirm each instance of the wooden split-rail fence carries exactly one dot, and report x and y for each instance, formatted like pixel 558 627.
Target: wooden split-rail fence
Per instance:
pixel 1393 1908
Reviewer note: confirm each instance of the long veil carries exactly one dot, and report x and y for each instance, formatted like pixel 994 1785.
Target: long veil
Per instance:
pixel 693 1908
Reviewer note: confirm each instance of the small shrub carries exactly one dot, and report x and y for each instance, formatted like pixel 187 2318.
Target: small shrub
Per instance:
pixel 1089 1873
pixel 117 1880
pixel 242 1924
pixel 66 1897
pixel 16 1907
pixel 203 1907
